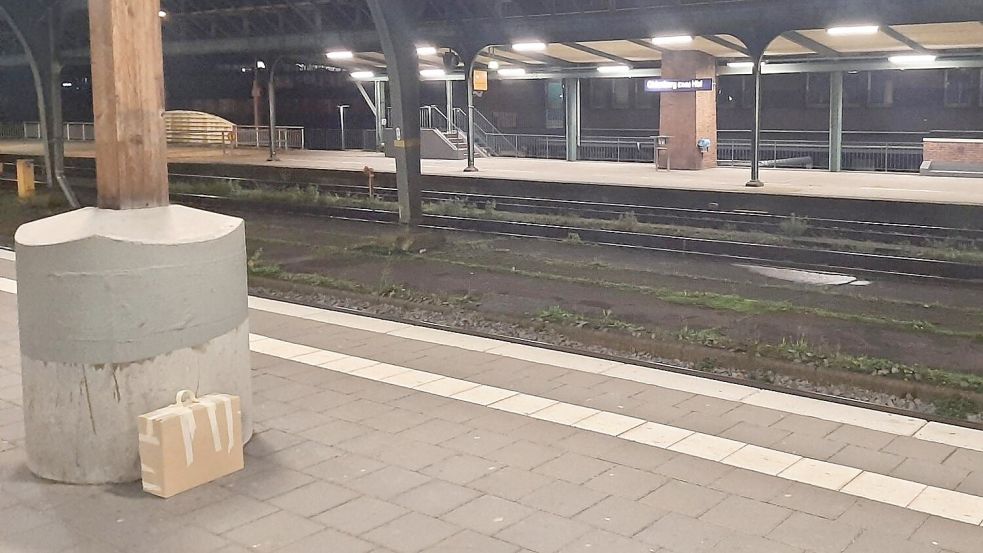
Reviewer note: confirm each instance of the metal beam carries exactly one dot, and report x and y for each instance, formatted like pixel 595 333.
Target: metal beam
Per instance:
pixel 836 121
pixel 598 53
pixel 806 42
pixel 728 44
pixel 900 37
pixel 571 97
pixel 648 44
pixel 365 96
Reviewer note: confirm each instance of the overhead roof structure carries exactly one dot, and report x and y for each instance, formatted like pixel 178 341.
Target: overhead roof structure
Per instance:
pixel 579 33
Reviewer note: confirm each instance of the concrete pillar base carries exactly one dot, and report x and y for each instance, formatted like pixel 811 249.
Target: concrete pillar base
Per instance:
pixel 118 310
pixel 471 169
pixel 754 184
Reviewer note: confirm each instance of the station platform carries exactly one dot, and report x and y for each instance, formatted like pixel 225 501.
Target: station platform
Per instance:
pixel 893 187
pixel 381 436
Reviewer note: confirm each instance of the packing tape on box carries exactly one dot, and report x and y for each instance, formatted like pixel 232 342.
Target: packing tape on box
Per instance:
pixel 211 403
pixel 188 424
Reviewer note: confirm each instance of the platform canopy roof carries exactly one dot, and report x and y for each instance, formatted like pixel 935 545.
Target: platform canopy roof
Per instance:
pixel 577 35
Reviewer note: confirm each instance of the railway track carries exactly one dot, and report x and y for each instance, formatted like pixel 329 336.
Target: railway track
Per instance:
pixel 729 250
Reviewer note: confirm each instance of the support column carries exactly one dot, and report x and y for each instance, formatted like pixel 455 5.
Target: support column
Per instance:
pixel 380 114
pixel 755 181
pixel 469 67
pixel 687 117
pixel 836 121
pixel 449 87
pixel 571 95
pixel 393 23
pixel 122 306
pixel 271 98
pixel 37 28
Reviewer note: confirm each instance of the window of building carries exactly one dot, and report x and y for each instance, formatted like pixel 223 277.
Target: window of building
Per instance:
pixel 962 88
pixel 880 90
pixel 855 89
pixel 643 98
pixel 730 92
pixel 621 93
pixel 600 92
pixel 817 90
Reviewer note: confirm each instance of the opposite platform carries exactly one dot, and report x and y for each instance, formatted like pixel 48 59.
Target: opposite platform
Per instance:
pixel 382 436
pixel 810 183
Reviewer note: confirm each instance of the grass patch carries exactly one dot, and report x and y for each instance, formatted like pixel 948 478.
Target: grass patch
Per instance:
pixel 795 351
pixel 957 407
pixel 730 302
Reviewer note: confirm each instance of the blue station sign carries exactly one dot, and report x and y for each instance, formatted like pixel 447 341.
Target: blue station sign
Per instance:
pixel 678 85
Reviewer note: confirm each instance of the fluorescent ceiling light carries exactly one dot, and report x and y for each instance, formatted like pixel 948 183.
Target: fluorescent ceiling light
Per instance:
pixel 741 65
pixel 362 74
pixel 853 30
pixel 340 55
pixel 161 13
pixel 493 65
pixel 911 59
pixel 529 46
pixel 432 73
pixel 67 85
pixel 512 72
pixel 670 40
pixel 612 69
pixel 260 64
pixel 426 51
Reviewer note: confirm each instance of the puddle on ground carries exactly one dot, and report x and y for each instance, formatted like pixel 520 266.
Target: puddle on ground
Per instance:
pixel 801 276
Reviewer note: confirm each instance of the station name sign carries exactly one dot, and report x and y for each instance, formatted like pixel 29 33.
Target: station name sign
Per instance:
pixel 678 85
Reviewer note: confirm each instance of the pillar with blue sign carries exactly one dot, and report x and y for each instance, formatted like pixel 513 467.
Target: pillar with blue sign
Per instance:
pixel 688 108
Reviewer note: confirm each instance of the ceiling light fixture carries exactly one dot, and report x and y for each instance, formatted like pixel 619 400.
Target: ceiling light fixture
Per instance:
pixel 161 13
pixel 529 46
pixel 512 72
pixel 853 30
pixel 672 40
pixel 361 75
pixel 433 73
pixel 494 65
pixel 340 55
pixel 741 65
pixel 911 59
pixel 613 69
pixel 426 51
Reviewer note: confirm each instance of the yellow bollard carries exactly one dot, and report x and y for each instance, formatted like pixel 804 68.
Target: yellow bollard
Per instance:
pixel 25 178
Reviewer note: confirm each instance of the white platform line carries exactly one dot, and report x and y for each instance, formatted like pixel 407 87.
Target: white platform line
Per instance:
pixel 7 255
pixel 915 496
pixel 8 285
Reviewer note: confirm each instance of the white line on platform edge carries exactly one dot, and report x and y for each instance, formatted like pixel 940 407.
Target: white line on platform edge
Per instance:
pixel 953 505
pixel 7 255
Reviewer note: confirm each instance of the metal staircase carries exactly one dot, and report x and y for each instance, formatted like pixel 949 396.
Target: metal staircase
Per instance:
pixel 455 131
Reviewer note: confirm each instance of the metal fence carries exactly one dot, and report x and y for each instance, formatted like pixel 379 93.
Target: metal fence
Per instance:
pixel 592 148
pixel 857 156
pixel 334 139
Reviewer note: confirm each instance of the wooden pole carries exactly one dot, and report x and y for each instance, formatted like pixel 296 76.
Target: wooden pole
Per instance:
pixel 128 102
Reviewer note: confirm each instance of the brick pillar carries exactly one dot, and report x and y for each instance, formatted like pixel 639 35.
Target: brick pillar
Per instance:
pixel 689 116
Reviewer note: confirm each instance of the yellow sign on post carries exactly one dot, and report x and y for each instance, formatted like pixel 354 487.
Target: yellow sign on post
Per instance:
pixel 25 178
pixel 480 80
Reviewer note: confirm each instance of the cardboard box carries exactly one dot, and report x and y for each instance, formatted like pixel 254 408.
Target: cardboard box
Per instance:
pixel 192 442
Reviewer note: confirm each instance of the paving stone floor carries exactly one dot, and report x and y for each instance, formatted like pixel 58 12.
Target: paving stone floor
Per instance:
pixel 386 460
